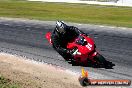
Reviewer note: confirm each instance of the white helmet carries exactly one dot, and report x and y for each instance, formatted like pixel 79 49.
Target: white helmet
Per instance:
pixel 61 27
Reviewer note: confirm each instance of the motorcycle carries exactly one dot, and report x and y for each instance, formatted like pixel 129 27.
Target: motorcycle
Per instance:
pixel 84 51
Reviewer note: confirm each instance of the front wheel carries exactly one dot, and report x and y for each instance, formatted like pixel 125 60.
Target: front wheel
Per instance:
pixel 102 62
pixel 99 58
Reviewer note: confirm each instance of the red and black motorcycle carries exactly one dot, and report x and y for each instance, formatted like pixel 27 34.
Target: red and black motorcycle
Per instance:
pixel 84 51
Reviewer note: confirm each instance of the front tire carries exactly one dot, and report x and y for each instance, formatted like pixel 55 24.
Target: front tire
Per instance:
pixel 100 60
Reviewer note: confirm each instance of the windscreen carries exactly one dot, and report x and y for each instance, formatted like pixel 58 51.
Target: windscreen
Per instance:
pixel 81 40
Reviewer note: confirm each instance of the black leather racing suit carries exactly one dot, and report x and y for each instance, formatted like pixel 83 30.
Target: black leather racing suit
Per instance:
pixel 60 40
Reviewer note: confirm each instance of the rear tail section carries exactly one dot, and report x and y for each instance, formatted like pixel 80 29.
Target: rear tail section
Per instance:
pixel 48 37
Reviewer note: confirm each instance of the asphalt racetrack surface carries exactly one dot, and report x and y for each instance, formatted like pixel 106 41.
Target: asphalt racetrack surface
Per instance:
pixel 27 38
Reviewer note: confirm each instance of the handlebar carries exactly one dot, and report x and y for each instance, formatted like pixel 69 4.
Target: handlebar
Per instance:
pixel 75 51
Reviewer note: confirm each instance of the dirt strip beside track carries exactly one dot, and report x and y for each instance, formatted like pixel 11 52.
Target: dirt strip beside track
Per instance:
pixel 29 74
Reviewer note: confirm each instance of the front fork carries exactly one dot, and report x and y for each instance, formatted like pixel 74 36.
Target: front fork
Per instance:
pixel 93 54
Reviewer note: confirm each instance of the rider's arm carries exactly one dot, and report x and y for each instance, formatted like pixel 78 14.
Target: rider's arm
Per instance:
pixel 76 30
pixel 57 45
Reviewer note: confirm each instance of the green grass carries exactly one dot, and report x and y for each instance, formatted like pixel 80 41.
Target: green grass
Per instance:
pixel 6 83
pixel 80 13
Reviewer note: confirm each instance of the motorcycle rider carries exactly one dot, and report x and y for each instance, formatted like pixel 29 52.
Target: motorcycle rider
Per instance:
pixel 61 35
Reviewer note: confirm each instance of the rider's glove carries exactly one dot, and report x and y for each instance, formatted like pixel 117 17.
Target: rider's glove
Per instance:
pixel 69 52
pixel 72 52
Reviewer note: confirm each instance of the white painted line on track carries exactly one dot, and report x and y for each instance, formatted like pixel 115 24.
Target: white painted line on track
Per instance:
pixel 101 26
pixel 124 28
pixel 112 27
pixel 71 72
